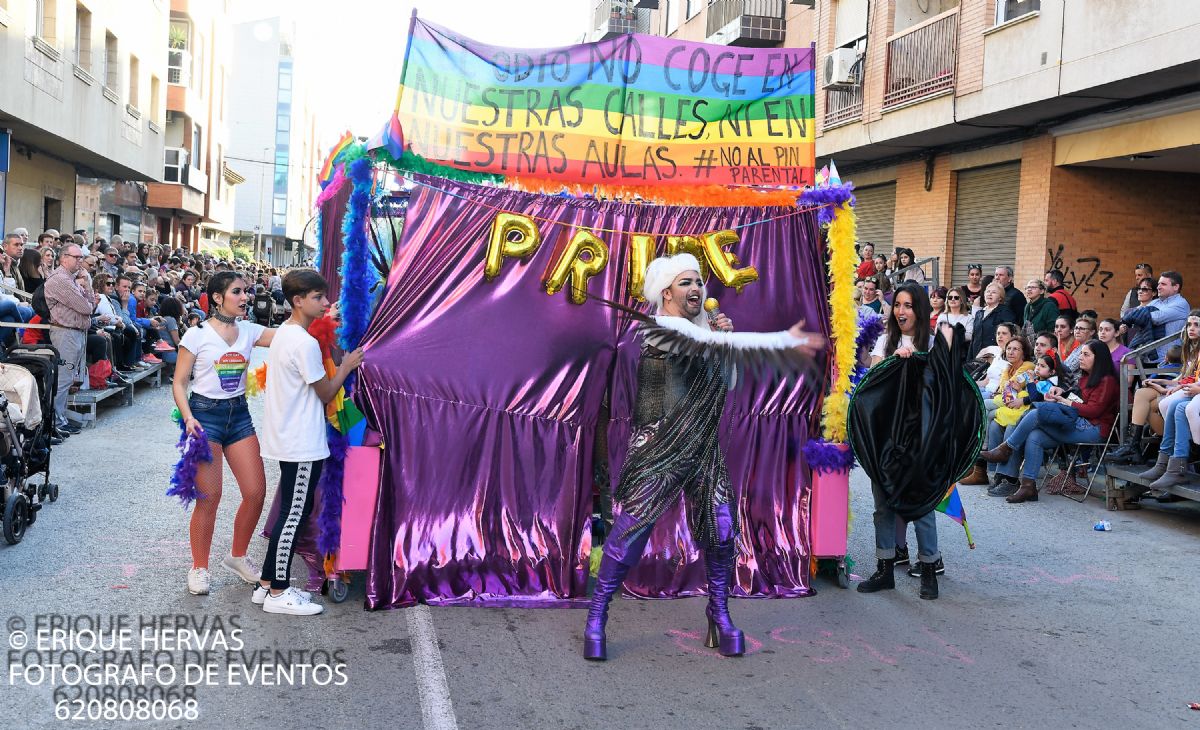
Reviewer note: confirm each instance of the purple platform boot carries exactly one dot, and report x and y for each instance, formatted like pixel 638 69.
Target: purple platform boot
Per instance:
pixel 719 561
pixel 620 555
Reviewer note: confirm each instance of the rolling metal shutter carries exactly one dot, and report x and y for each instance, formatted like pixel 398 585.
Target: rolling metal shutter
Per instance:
pixel 875 208
pixel 985 219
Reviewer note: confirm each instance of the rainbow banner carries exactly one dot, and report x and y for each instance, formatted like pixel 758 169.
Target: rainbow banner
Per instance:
pixel 632 110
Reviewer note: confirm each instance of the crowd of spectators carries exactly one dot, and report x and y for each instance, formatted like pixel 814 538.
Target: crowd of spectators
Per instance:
pixel 112 308
pixel 1050 374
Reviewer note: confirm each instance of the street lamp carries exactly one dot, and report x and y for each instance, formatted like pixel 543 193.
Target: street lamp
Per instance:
pixel 262 192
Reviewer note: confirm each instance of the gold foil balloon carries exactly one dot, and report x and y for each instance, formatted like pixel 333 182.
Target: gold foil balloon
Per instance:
pixel 513 236
pixel 692 245
pixel 585 256
pixel 724 262
pixel 641 253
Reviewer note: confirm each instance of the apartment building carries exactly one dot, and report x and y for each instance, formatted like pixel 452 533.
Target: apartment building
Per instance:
pixel 1040 133
pixel 193 205
pixel 275 136
pixel 82 119
pixel 747 23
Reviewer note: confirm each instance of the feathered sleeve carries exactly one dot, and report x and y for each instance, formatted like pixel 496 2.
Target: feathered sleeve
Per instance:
pixel 757 351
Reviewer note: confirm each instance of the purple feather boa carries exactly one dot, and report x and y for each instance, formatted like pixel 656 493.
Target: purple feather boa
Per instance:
pixel 826 458
pixel 192 451
pixel 329 522
pixel 830 197
pixel 870 327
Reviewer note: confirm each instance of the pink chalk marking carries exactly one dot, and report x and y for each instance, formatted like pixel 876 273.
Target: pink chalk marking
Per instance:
pixel 952 651
pixel 683 640
pixel 120 587
pixel 889 660
pixel 777 635
pixel 129 570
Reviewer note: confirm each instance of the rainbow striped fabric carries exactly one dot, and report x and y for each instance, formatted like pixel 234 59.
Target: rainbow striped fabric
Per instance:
pixel 632 110
pixel 325 176
pixel 952 506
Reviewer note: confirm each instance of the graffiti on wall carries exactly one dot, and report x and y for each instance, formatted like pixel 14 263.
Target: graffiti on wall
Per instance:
pixel 1082 275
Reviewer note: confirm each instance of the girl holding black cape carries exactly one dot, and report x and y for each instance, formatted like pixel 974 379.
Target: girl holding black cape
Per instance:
pixel 915 425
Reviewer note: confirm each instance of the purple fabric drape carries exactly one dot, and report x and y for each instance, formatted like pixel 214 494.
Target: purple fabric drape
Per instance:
pixel 488 395
pixel 333 212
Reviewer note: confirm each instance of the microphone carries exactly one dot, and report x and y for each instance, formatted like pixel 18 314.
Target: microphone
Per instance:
pixel 710 306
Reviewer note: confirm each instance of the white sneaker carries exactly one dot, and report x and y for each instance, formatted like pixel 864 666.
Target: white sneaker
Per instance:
pixel 198 581
pixel 260 594
pixel 242 567
pixel 291 602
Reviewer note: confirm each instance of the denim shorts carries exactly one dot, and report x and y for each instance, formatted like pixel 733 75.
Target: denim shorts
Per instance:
pixel 225 421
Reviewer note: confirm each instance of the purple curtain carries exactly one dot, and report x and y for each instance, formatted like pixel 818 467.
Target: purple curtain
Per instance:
pixel 333 212
pixel 488 396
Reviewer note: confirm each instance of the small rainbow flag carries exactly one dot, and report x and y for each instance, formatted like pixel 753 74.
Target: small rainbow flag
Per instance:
pixel 391 137
pixel 952 506
pixel 325 176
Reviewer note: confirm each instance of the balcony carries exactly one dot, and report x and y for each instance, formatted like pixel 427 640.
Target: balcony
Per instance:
pixel 616 17
pixel 751 23
pixel 843 106
pixel 920 60
pixel 178 169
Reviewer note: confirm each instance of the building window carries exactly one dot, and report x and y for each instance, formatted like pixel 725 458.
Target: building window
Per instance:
pixel 45 19
pixel 179 58
pixel 693 7
pixel 135 78
pixel 155 103
pixel 83 38
pixel 283 123
pixel 671 11
pixel 112 69
pixel 1007 10
pixel 197 140
pixel 220 171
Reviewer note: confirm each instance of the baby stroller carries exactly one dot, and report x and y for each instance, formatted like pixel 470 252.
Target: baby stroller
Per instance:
pixel 28 379
pixel 264 309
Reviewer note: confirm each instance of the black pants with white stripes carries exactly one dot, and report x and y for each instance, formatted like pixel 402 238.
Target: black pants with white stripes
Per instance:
pixel 297 484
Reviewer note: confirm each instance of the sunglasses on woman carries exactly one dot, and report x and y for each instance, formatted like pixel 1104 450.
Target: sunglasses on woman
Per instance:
pixel 954 299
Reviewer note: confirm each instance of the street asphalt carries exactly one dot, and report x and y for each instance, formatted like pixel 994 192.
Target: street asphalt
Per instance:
pixel 1047 623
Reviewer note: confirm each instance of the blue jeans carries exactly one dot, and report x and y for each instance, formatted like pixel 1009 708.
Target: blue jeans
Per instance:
pixel 15 313
pixel 1037 438
pixel 996 434
pixel 884 518
pixel 1177 435
pixel 225 421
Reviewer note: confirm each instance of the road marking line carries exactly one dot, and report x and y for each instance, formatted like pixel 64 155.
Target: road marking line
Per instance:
pixel 436 708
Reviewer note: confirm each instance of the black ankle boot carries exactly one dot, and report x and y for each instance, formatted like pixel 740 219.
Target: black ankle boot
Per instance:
pixel 1131 446
pixel 882 579
pixel 929 589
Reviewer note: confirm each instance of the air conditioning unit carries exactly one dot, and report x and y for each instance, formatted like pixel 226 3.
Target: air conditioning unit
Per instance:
pixel 839 69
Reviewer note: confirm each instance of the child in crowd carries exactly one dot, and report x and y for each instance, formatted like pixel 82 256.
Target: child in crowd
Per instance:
pixel 294 433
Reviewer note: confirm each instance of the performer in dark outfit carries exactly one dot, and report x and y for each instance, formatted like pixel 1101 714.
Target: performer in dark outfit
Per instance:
pixel 685 368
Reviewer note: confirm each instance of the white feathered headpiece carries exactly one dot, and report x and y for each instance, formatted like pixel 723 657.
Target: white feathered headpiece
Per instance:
pixel 662 272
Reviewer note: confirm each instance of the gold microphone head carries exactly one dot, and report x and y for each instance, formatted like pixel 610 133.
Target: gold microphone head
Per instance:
pixel 710 305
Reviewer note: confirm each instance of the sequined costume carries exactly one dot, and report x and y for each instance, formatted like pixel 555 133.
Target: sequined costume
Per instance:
pixel 673 448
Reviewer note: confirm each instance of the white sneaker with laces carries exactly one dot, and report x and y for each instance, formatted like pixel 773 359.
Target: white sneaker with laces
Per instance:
pixel 260 594
pixel 291 602
pixel 242 567
pixel 198 581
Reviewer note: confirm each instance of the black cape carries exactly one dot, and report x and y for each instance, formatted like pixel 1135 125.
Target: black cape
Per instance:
pixel 916 425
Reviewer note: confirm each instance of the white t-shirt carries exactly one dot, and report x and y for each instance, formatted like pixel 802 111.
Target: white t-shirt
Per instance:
pixel 880 349
pixel 220 369
pixel 294 423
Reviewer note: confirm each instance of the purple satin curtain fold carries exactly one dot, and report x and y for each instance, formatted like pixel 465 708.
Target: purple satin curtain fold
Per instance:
pixel 333 212
pixel 488 396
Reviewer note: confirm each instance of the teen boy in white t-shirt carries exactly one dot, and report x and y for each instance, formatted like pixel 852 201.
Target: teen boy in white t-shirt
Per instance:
pixel 294 433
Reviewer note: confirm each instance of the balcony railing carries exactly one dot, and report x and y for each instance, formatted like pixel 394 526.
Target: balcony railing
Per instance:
pixel 843 105
pixel 758 23
pixel 615 17
pixel 920 60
